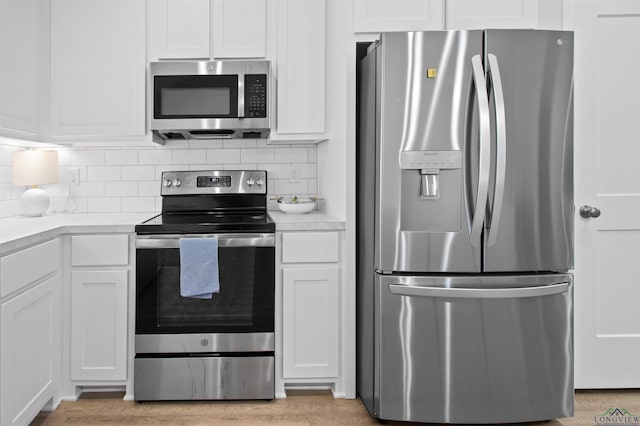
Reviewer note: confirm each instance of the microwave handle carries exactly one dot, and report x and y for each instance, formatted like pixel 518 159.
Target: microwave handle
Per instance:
pixel 241 83
pixel 224 240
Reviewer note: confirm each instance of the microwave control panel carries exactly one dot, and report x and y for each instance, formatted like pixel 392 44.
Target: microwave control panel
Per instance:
pixel 255 95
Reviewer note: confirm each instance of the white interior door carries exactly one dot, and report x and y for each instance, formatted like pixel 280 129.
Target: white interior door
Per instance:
pixel 607 176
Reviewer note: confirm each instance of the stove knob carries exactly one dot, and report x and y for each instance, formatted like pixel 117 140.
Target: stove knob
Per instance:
pixel 259 182
pixel 177 183
pixel 250 182
pixel 167 183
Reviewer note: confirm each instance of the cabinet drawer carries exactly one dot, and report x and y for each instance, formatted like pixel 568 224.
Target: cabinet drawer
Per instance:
pixel 94 250
pixel 29 265
pixel 301 247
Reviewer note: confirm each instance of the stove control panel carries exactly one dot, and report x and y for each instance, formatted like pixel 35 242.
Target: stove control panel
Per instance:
pixel 214 182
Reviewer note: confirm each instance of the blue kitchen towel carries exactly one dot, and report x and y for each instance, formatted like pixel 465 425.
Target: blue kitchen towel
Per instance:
pixel 199 277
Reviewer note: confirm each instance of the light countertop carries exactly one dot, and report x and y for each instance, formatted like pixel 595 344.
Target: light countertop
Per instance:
pixel 17 232
pixel 314 221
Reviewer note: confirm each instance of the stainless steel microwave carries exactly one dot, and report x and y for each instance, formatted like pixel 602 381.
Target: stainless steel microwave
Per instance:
pixel 209 100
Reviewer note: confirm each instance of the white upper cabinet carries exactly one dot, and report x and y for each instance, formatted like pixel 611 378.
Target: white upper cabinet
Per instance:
pixel 97 69
pixel 239 29
pixel 299 70
pixel 179 29
pixel 477 14
pixel 20 64
pixel 373 16
pixel 207 29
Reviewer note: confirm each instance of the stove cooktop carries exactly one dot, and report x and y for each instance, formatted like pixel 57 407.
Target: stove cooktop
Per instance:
pixel 207 223
pixel 212 201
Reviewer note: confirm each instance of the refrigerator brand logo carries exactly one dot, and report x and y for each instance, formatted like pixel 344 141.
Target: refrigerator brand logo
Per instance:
pixel 617 416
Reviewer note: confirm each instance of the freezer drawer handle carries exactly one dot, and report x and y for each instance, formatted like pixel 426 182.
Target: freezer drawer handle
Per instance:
pixel 478 293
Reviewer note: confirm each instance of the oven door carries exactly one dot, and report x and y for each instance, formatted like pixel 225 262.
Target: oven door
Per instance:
pixel 245 303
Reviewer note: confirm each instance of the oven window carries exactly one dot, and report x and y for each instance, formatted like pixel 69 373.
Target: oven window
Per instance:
pixel 245 302
pixel 196 96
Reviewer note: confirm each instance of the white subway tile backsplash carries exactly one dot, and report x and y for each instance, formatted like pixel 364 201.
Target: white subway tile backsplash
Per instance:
pixel 90 189
pixel 155 156
pixel 205 144
pixel 121 189
pixel 239 143
pixel 283 186
pixel 104 205
pixel 138 204
pixel 64 156
pixel 275 171
pixel 243 166
pixel 149 188
pixel 190 156
pixel 292 155
pixel 5 191
pixel 122 157
pixel 176 144
pixel 126 179
pixel 5 174
pixel 138 172
pixel 85 157
pixel 104 173
pixel 9 208
pixel 257 155
pixel 171 168
pixel 5 157
pixel 312 186
pixel 223 156
pixel 308 171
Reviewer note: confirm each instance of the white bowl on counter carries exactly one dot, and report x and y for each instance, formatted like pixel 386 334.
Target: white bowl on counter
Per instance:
pixel 296 205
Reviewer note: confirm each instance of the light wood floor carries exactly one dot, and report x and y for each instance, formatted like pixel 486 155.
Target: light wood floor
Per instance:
pixel 299 408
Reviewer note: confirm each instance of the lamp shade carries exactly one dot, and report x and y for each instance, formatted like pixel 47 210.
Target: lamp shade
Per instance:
pixel 34 167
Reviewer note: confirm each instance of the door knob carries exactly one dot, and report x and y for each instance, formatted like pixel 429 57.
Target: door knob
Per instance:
pixel 588 211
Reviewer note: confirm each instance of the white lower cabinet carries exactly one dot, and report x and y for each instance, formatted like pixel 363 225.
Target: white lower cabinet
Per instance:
pixel 29 333
pixel 99 325
pixel 310 327
pixel 311 298
pixel 97 345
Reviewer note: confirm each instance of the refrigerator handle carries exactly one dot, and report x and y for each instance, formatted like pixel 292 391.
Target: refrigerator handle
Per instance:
pixel 485 150
pixel 501 149
pixel 478 293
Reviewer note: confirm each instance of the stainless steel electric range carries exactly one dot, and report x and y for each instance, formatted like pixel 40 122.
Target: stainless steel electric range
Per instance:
pixel 222 347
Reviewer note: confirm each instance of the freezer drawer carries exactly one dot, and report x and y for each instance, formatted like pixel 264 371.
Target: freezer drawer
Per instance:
pixel 474 349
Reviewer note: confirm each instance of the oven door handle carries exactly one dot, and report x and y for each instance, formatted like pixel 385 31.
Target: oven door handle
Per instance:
pixel 224 240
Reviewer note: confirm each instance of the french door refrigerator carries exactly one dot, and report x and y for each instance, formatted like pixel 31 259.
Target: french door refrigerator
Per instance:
pixel 465 226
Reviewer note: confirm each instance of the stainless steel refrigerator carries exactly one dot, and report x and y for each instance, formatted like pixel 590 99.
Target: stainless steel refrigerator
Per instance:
pixel 465 226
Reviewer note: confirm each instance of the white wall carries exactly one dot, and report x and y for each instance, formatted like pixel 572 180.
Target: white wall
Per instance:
pixel 127 179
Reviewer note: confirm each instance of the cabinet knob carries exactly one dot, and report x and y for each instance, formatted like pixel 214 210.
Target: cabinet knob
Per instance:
pixel 589 212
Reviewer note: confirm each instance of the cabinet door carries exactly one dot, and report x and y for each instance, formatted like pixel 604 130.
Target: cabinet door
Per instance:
pixel 27 344
pixel 180 28
pixel 98 325
pixel 300 66
pixel 239 29
pixel 19 68
pixel 607 106
pixel 97 68
pixel 310 322
pixel 479 14
pixel 374 16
